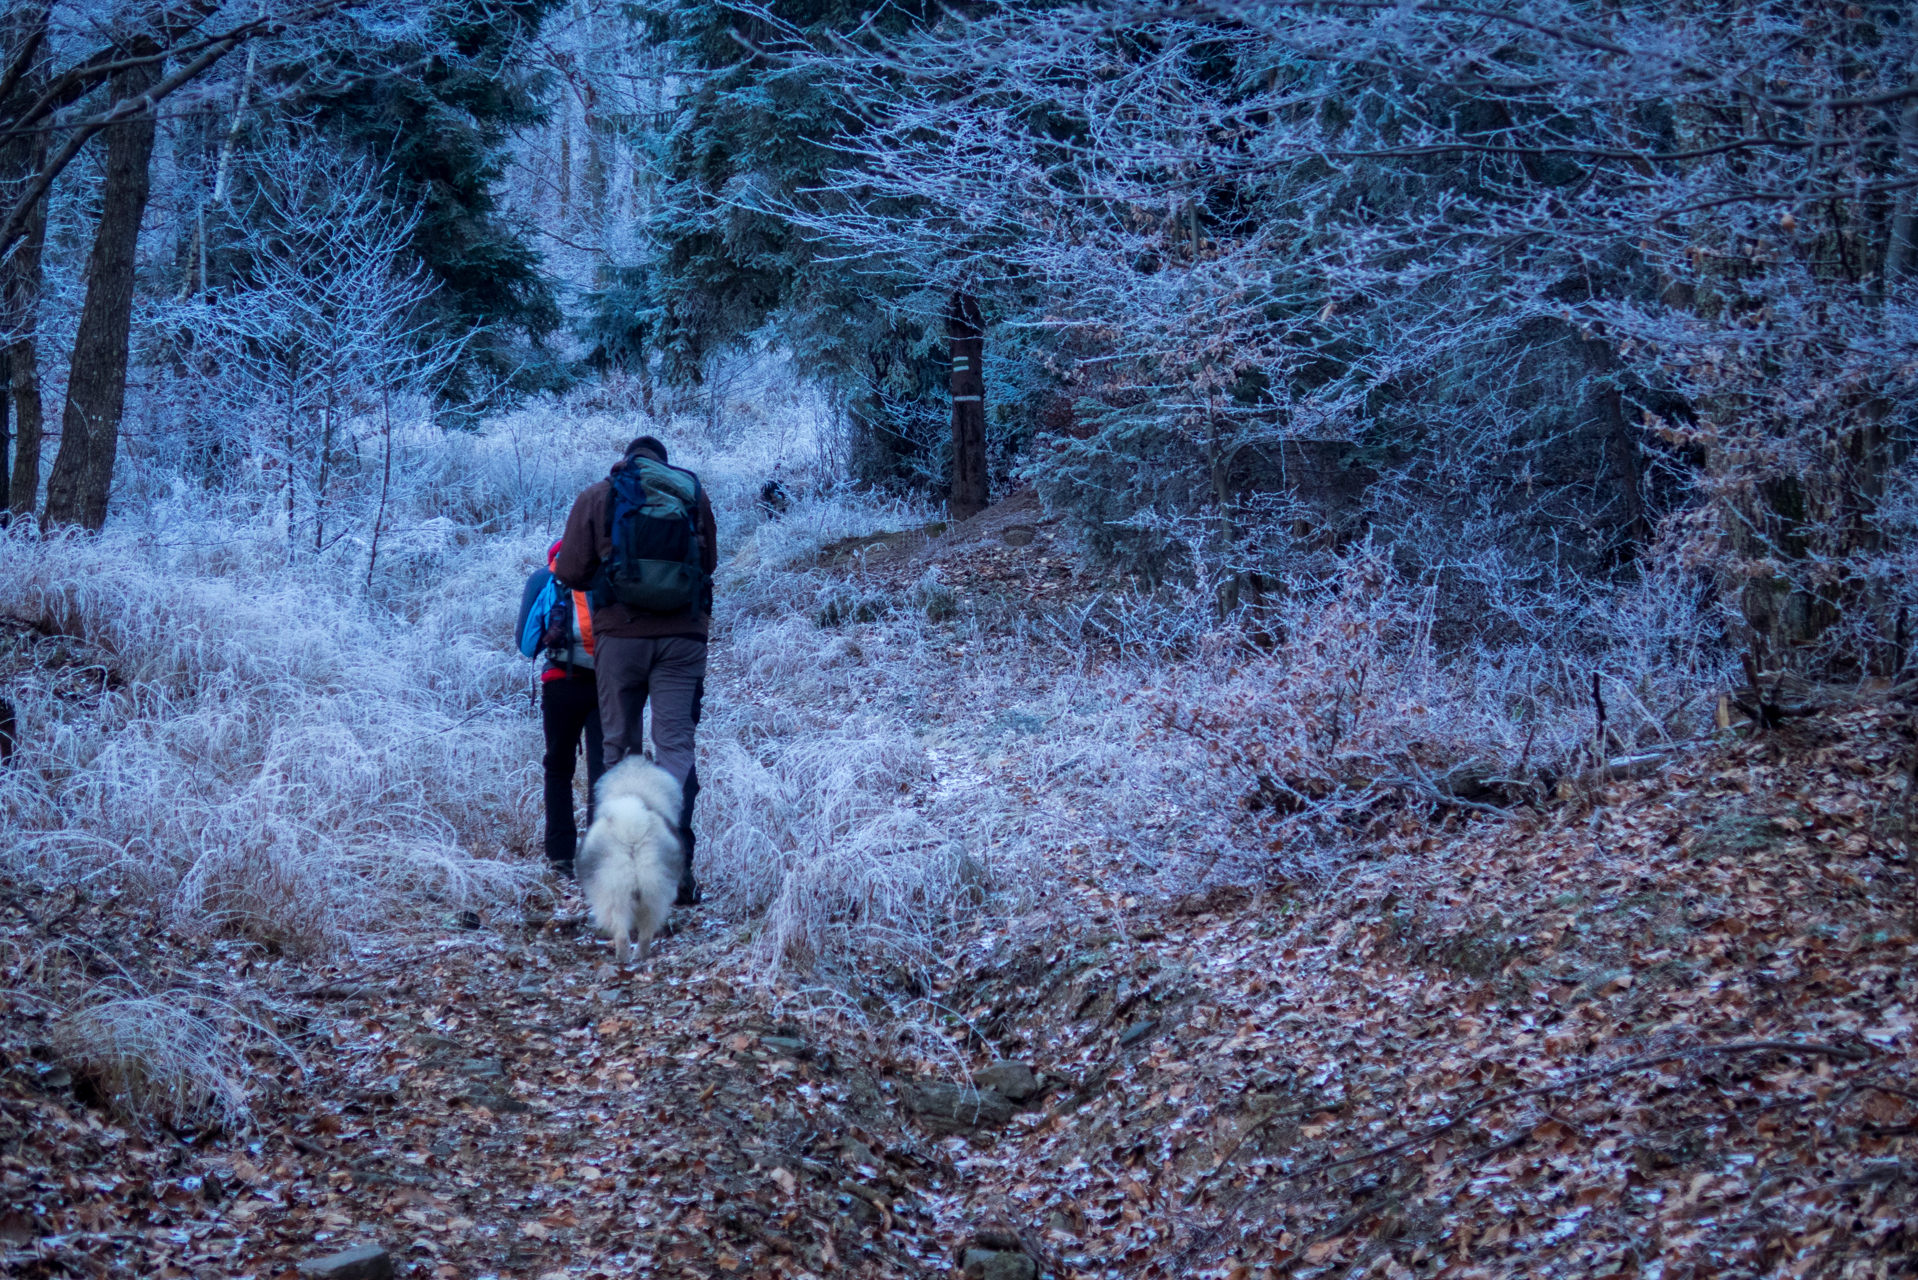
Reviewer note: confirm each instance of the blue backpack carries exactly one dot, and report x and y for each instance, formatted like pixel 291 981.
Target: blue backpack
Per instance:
pixel 655 566
pixel 548 621
pixel 535 606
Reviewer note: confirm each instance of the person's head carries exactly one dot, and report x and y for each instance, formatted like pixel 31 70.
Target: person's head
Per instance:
pixel 647 444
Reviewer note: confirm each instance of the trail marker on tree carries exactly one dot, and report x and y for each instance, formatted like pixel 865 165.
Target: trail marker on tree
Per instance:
pixel 965 327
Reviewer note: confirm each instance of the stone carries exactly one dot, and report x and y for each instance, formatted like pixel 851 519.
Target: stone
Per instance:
pixel 791 1046
pixel 1019 535
pixel 993 1239
pixel 361 1262
pixel 1137 1032
pixel 1013 1079
pixel 998 1264
pixel 952 1108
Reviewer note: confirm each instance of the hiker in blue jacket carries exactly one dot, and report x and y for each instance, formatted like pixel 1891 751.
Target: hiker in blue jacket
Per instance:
pixel 558 623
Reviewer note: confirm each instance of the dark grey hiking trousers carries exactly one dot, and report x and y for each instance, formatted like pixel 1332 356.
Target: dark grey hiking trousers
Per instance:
pixel 671 671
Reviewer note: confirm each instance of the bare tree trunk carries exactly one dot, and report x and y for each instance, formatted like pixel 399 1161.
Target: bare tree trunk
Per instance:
pixel 593 180
pixel 1898 254
pixel 291 480
pixel 221 170
pixel 29 424
pixel 6 430
pixel 386 481
pixel 21 285
pixel 326 474
pixel 20 278
pixel 970 486
pixel 82 477
pixel 1219 471
pixel 565 164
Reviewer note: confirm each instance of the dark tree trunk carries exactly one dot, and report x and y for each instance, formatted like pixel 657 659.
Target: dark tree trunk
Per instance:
pixel 965 327
pixel 82 476
pixel 19 301
pixel 20 277
pixel 6 429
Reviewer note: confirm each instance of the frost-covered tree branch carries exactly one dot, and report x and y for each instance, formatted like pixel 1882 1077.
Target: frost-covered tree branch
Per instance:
pixel 324 328
pixel 1416 226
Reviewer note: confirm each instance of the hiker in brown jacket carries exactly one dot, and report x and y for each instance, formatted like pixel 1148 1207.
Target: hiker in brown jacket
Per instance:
pixel 641 653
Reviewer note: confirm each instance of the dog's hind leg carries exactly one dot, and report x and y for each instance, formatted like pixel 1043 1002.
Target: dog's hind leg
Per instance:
pixel 621 945
pixel 650 914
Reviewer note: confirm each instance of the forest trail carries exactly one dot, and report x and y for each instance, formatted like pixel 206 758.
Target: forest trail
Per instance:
pixel 1603 1047
pixel 1658 1026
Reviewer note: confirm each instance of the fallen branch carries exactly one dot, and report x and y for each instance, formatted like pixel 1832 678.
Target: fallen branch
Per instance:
pixel 1250 1131
pixel 1907 1094
pixel 1429 790
pixel 349 988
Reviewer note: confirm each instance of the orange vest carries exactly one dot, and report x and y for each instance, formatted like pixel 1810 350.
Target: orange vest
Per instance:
pixel 582 613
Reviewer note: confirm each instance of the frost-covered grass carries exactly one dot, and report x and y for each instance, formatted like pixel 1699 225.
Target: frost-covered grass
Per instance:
pixel 299 743
pixel 154 1057
pixel 262 756
pixel 883 764
pixel 239 725
pixel 249 735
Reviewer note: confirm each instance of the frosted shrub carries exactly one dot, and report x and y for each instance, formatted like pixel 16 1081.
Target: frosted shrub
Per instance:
pixel 1358 702
pixel 814 840
pixel 266 759
pixel 151 1058
pixel 822 817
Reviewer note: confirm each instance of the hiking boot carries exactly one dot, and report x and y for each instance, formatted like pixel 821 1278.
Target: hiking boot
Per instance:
pixel 564 870
pixel 689 893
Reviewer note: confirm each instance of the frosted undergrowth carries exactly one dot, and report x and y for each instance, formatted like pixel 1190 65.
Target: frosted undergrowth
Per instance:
pixel 881 770
pixel 155 1057
pixel 263 757
pixel 277 743
pixel 295 743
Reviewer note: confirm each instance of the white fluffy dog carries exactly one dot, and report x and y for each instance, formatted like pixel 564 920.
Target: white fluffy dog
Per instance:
pixel 629 865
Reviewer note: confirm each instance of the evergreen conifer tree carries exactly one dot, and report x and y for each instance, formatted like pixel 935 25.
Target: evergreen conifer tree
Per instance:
pixel 440 124
pixel 750 134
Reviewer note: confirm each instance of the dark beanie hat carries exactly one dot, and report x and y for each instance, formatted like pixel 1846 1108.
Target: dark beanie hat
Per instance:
pixel 651 443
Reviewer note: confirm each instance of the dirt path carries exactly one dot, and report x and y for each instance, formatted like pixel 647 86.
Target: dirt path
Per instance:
pixel 1670 1036
pixel 507 1103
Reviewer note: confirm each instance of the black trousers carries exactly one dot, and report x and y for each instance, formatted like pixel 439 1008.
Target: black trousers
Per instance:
pixel 569 707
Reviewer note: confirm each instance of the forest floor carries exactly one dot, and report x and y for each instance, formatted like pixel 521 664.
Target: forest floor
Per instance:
pixel 1659 1026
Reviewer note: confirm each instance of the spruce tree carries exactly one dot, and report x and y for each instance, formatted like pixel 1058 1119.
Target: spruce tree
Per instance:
pixel 751 134
pixel 440 122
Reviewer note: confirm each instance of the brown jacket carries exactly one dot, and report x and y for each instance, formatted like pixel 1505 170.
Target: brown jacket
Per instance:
pixel 589 541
